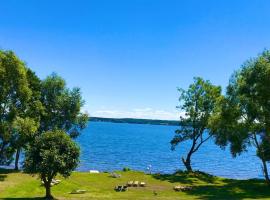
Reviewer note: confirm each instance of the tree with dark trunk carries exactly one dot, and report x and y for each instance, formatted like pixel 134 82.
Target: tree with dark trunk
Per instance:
pixel 15 94
pixel 197 103
pixel 17 157
pixel 48 190
pixel 25 126
pixel 243 116
pixel 52 153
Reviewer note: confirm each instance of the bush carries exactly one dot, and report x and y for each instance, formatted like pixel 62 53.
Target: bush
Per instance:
pixel 126 169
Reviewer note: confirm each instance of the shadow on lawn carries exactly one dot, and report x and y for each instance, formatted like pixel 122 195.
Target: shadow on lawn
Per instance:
pixel 4 172
pixel 208 187
pixel 31 198
pixel 232 189
pixel 186 177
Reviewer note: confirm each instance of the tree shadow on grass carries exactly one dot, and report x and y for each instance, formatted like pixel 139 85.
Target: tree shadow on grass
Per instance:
pixel 4 172
pixel 186 177
pixel 8 171
pixel 30 198
pixel 3 177
pixel 208 187
pixel 232 189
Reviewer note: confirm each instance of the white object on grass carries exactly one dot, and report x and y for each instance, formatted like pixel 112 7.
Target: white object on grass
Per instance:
pixel 94 171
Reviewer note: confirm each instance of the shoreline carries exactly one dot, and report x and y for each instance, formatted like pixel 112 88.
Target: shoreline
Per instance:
pixel 140 171
pixel 101 186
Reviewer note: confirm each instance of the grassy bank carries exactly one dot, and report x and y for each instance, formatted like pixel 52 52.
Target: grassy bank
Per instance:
pixel 17 185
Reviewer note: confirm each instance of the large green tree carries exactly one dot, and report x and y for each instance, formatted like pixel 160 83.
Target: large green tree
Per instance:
pixel 243 117
pixel 62 107
pixel 198 103
pixel 26 125
pixel 52 153
pixel 61 119
pixel 15 94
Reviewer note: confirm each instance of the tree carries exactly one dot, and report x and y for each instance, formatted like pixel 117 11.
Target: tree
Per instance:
pixel 60 120
pixel 24 132
pixel 14 95
pixel 243 117
pixel 198 103
pixel 61 107
pixel 25 126
pixel 52 153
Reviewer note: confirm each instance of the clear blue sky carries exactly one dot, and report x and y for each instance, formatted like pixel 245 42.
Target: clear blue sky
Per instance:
pixel 128 57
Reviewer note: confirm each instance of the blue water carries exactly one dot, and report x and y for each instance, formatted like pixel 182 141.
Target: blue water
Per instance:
pixel 112 146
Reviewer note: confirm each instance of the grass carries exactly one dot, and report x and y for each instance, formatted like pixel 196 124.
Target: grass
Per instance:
pixel 16 185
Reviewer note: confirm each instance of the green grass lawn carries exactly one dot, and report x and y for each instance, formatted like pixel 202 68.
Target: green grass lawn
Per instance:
pixel 17 185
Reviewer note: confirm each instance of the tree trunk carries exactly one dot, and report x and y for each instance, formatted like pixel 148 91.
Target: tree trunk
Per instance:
pixel 47 185
pixel 265 171
pixel 187 162
pixel 17 159
pixel 2 149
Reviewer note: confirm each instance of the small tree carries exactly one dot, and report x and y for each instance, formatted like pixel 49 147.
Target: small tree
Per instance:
pixel 198 103
pixel 243 117
pixel 52 153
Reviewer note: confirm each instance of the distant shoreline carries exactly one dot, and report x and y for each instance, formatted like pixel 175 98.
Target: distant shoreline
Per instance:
pixel 135 121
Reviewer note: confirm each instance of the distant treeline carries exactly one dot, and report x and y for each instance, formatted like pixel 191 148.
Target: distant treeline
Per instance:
pixel 136 121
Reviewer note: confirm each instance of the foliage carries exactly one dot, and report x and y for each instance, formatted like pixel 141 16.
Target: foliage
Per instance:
pixel 34 107
pixel 31 108
pixel 14 97
pixel 243 117
pixel 28 122
pixel 24 130
pixel 126 169
pixel 263 151
pixel 198 104
pixel 52 153
pixel 61 107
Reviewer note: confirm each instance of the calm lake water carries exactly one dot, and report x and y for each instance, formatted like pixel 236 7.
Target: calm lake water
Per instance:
pixel 112 146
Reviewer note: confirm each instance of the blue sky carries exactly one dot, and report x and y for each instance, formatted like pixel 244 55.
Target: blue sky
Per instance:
pixel 128 57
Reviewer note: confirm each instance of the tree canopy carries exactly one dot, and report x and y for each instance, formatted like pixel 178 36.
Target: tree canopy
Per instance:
pixel 15 94
pixel 61 107
pixel 243 117
pixel 40 117
pixel 53 153
pixel 198 103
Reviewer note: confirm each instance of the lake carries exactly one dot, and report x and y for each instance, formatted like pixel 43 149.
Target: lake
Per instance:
pixel 111 146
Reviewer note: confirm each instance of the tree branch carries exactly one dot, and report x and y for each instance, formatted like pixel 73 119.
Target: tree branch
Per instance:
pixel 202 141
